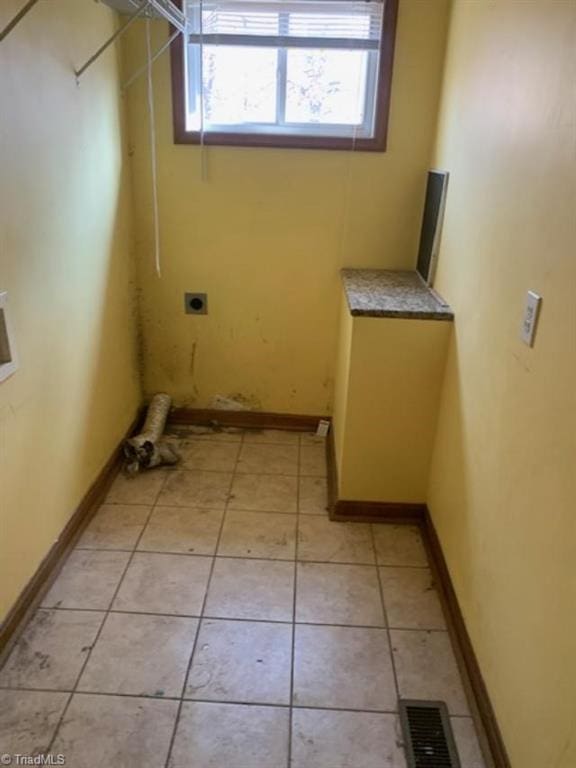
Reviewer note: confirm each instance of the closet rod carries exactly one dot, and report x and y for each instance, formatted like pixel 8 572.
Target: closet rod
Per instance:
pixel 17 19
pixel 115 36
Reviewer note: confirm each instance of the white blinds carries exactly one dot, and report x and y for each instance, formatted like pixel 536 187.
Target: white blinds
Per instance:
pixel 350 24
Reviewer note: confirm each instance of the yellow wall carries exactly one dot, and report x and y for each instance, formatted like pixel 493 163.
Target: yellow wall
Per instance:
pixel 390 374
pixel 266 233
pixel 503 488
pixel 65 257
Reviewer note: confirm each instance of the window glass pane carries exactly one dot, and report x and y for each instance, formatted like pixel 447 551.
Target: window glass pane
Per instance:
pixel 326 86
pixel 239 84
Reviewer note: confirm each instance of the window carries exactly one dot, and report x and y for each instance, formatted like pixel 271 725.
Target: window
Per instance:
pixel 300 73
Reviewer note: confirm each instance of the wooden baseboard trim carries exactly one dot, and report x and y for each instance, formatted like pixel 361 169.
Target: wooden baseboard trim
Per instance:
pixel 419 514
pixel 245 419
pixel 343 510
pixel 462 639
pixel 332 474
pixel 54 559
pixel 377 512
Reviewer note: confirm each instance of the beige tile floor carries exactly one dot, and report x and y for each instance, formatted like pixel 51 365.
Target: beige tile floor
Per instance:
pixel 212 616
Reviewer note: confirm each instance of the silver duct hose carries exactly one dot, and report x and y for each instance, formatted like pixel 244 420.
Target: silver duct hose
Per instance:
pixel 147 450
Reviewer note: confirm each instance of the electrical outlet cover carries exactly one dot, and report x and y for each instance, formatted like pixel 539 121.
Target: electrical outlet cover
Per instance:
pixel 196 303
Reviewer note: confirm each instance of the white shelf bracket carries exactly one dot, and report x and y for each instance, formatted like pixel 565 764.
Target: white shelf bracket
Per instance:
pixel 26 8
pixel 141 70
pixel 119 32
pixel 165 8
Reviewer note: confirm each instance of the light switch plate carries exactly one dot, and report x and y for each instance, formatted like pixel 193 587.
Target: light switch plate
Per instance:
pixel 531 312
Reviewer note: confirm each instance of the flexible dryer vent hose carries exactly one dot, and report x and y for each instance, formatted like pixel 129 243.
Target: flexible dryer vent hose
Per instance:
pixel 146 450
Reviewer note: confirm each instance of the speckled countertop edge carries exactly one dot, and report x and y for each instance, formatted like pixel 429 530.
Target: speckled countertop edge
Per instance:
pixel 392 293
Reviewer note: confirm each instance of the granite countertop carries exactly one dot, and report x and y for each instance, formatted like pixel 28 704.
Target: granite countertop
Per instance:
pixel 392 293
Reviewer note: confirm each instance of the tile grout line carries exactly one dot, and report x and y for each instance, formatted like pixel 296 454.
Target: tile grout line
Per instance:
pixel 294 605
pixel 233 508
pixel 240 473
pixel 427 630
pixel 231 702
pixel 248 557
pixel 305 561
pixel 200 619
pixel 106 614
pixel 173 553
pixel 386 623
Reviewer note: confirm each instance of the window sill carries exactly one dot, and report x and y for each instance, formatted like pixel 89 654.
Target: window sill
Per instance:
pixel 271 141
